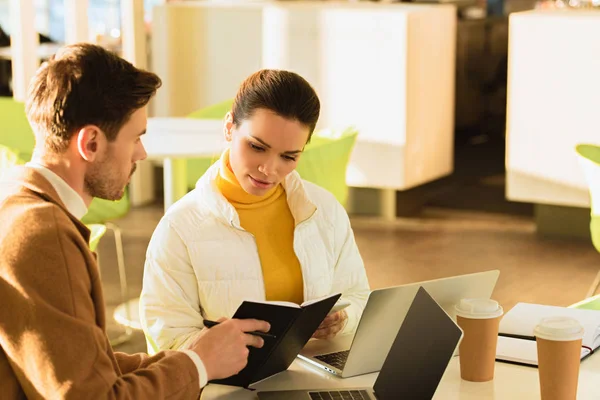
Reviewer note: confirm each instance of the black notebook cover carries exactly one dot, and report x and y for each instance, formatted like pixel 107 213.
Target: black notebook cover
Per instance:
pixel 292 327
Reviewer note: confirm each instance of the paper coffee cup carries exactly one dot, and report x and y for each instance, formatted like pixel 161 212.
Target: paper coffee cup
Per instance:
pixel 478 308
pixel 559 357
pixel 479 319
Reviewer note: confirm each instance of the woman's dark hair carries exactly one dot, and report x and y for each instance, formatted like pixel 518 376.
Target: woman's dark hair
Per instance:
pixel 285 93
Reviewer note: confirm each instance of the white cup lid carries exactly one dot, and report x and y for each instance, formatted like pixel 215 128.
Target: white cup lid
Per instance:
pixel 478 308
pixel 559 328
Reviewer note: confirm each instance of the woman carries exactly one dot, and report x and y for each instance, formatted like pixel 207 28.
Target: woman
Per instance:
pixel 252 229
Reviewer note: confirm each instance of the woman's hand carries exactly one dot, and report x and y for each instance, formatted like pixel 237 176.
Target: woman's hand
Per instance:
pixel 331 325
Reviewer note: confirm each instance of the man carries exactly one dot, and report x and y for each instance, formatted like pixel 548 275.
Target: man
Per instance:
pixel 87 108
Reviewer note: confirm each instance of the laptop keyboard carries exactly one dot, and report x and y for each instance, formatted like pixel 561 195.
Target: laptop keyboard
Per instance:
pixel 337 360
pixel 341 395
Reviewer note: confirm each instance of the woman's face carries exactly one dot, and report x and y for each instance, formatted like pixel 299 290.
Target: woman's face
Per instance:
pixel 264 149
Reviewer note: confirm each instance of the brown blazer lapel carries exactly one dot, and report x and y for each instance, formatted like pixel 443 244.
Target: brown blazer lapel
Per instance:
pixel 30 179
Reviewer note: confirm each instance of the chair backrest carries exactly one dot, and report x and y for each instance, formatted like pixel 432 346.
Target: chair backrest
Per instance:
pixel 15 131
pixel 591 303
pixel 325 161
pixel 216 111
pixel 196 167
pixel 8 159
pixel 589 159
pixel 101 211
pixel 96 233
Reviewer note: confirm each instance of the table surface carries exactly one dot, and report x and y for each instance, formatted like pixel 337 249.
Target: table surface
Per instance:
pixel 512 382
pixel 175 137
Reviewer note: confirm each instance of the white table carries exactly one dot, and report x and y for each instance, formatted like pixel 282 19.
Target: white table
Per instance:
pixel 511 382
pixel 173 140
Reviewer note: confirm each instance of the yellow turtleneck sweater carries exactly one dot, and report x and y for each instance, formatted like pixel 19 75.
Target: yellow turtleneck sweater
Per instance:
pixel 270 220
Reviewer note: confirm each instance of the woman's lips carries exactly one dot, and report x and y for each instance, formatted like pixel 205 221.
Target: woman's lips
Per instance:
pixel 259 183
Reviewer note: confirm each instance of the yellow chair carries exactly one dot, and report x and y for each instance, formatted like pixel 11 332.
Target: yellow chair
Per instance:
pixel 591 303
pixel 102 212
pixel 97 231
pixel 589 159
pixel 8 159
pixel 128 314
pixel 196 167
pixel 15 131
pixel 325 160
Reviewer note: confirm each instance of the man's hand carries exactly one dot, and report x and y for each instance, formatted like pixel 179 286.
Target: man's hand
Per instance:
pixel 331 325
pixel 224 348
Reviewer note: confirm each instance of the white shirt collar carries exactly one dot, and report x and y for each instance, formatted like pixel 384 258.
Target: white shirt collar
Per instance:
pixel 74 203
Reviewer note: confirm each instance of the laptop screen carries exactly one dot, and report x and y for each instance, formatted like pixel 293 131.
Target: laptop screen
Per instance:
pixel 420 354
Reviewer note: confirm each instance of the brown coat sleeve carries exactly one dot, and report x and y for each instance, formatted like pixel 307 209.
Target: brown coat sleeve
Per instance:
pixel 51 319
pixel 131 362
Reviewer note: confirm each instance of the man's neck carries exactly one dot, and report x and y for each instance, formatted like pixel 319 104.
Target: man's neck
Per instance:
pixel 68 172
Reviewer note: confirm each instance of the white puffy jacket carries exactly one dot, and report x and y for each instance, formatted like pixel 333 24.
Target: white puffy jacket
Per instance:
pixel 201 263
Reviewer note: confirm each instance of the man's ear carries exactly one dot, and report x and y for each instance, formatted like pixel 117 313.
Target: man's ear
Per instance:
pixel 228 126
pixel 89 142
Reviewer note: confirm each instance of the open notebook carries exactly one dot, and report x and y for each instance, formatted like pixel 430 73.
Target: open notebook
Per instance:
pixel 291 324
pixel 516 343
pixel 338 306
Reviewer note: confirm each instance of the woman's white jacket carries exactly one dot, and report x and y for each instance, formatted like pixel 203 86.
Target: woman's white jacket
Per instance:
pixel 201 263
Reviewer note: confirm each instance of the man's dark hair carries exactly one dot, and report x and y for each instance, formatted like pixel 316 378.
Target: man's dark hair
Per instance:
pixel 84 84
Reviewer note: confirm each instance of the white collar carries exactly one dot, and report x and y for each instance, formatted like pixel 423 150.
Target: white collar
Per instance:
pixel 74 203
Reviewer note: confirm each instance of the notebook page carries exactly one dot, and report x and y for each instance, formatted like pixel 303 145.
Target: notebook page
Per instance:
pixel 522 319
pixel 309 302
pixel 276 303
pixel 521 351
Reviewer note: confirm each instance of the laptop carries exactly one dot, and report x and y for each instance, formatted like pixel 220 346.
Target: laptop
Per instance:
pixel 365 350
pixel 414 366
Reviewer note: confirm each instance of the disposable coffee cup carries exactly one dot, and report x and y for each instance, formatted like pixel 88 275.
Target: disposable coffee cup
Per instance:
pixel 559 342
pixel 479 319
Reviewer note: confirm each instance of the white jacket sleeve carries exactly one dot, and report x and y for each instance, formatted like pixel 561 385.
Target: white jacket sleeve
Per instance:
pixel 170 310
pixel 350 277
